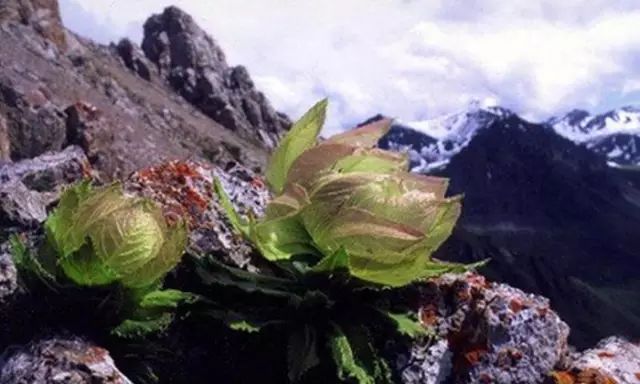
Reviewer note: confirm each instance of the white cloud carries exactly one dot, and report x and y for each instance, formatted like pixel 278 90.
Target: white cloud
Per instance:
pixel 409 59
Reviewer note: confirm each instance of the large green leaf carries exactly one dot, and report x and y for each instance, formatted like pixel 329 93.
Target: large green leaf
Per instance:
pixel 84 268
pixel 302 136
pixel 282 238
pixel 61 222
pixel 28 265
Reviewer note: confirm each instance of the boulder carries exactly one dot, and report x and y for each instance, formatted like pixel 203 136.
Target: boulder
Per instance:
pixel 485 333
pixel 32 124
pixel 61 360
pixel 134 58
pixel 612 360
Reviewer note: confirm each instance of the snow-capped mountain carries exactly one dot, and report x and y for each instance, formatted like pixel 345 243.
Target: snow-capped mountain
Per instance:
pixel 432 143
pixel 614 134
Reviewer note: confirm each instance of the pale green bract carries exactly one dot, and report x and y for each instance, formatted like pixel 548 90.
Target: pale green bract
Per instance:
pixel 354 206
pixel 102 237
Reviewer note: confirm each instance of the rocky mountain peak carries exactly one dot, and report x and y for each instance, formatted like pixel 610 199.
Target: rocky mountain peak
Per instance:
pixel 195 66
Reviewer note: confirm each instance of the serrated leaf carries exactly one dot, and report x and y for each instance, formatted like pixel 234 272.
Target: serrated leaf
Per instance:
pixel 407 325
pixel 168 298
pixel 302 352
pixel 360 339
pixel 346 364
pixel 234 218
pixel 213 272
pixel 302 136
pixel 134 329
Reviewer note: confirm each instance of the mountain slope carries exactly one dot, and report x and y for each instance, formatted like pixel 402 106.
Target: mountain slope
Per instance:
pixel 554 219
pixel 432 143
pixel 125 110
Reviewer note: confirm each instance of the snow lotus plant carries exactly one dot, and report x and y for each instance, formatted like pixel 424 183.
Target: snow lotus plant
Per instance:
pixel 352 206
pixel 98 237
pixel 347 231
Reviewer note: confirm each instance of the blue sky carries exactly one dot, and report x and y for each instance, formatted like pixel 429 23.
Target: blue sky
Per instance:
pixel 411 59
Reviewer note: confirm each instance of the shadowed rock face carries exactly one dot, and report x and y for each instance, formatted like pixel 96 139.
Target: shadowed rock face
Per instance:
pixel 196 67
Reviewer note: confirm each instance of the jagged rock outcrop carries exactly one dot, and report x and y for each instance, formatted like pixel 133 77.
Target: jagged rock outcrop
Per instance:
pixel 61 360
pixel 42 15
pixel 486 333
pixel 195 65
pixel 127 122
pixel 134 58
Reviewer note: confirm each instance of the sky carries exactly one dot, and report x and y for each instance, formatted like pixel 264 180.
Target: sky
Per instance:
pixel 409 59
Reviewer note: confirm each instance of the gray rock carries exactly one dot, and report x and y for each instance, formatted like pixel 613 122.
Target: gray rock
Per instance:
pixel 49 172
pixel 196 67
pixel 614 359
pixel 28 187
pixel 134 58
pixel 42 15
pixel 20 207
pixel 494 333
pixel 57 361
pixel 8 275
pixel 33 124
pixel 5 146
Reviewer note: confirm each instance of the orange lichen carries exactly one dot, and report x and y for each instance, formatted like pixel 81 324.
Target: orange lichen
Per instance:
pixel 593 376
pixel 173 186
pixel 429 315
pixel 516 305
pixel 606 354
pixel 562 377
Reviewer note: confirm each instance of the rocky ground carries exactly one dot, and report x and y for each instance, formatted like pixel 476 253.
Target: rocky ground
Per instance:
pixel 166 119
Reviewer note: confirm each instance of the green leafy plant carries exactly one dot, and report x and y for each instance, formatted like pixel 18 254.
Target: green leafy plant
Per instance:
pixel 348 230
pixel 100 238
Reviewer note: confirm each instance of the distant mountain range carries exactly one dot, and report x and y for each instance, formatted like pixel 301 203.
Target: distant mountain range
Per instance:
pixel 555 205
pixel 615 135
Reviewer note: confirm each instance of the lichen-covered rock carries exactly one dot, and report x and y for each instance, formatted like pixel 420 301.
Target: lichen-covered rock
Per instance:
pixel 493 333
pixel 185 188
pixel 196 67
pixel 57 361
pixel 613 360
pixel 8 275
